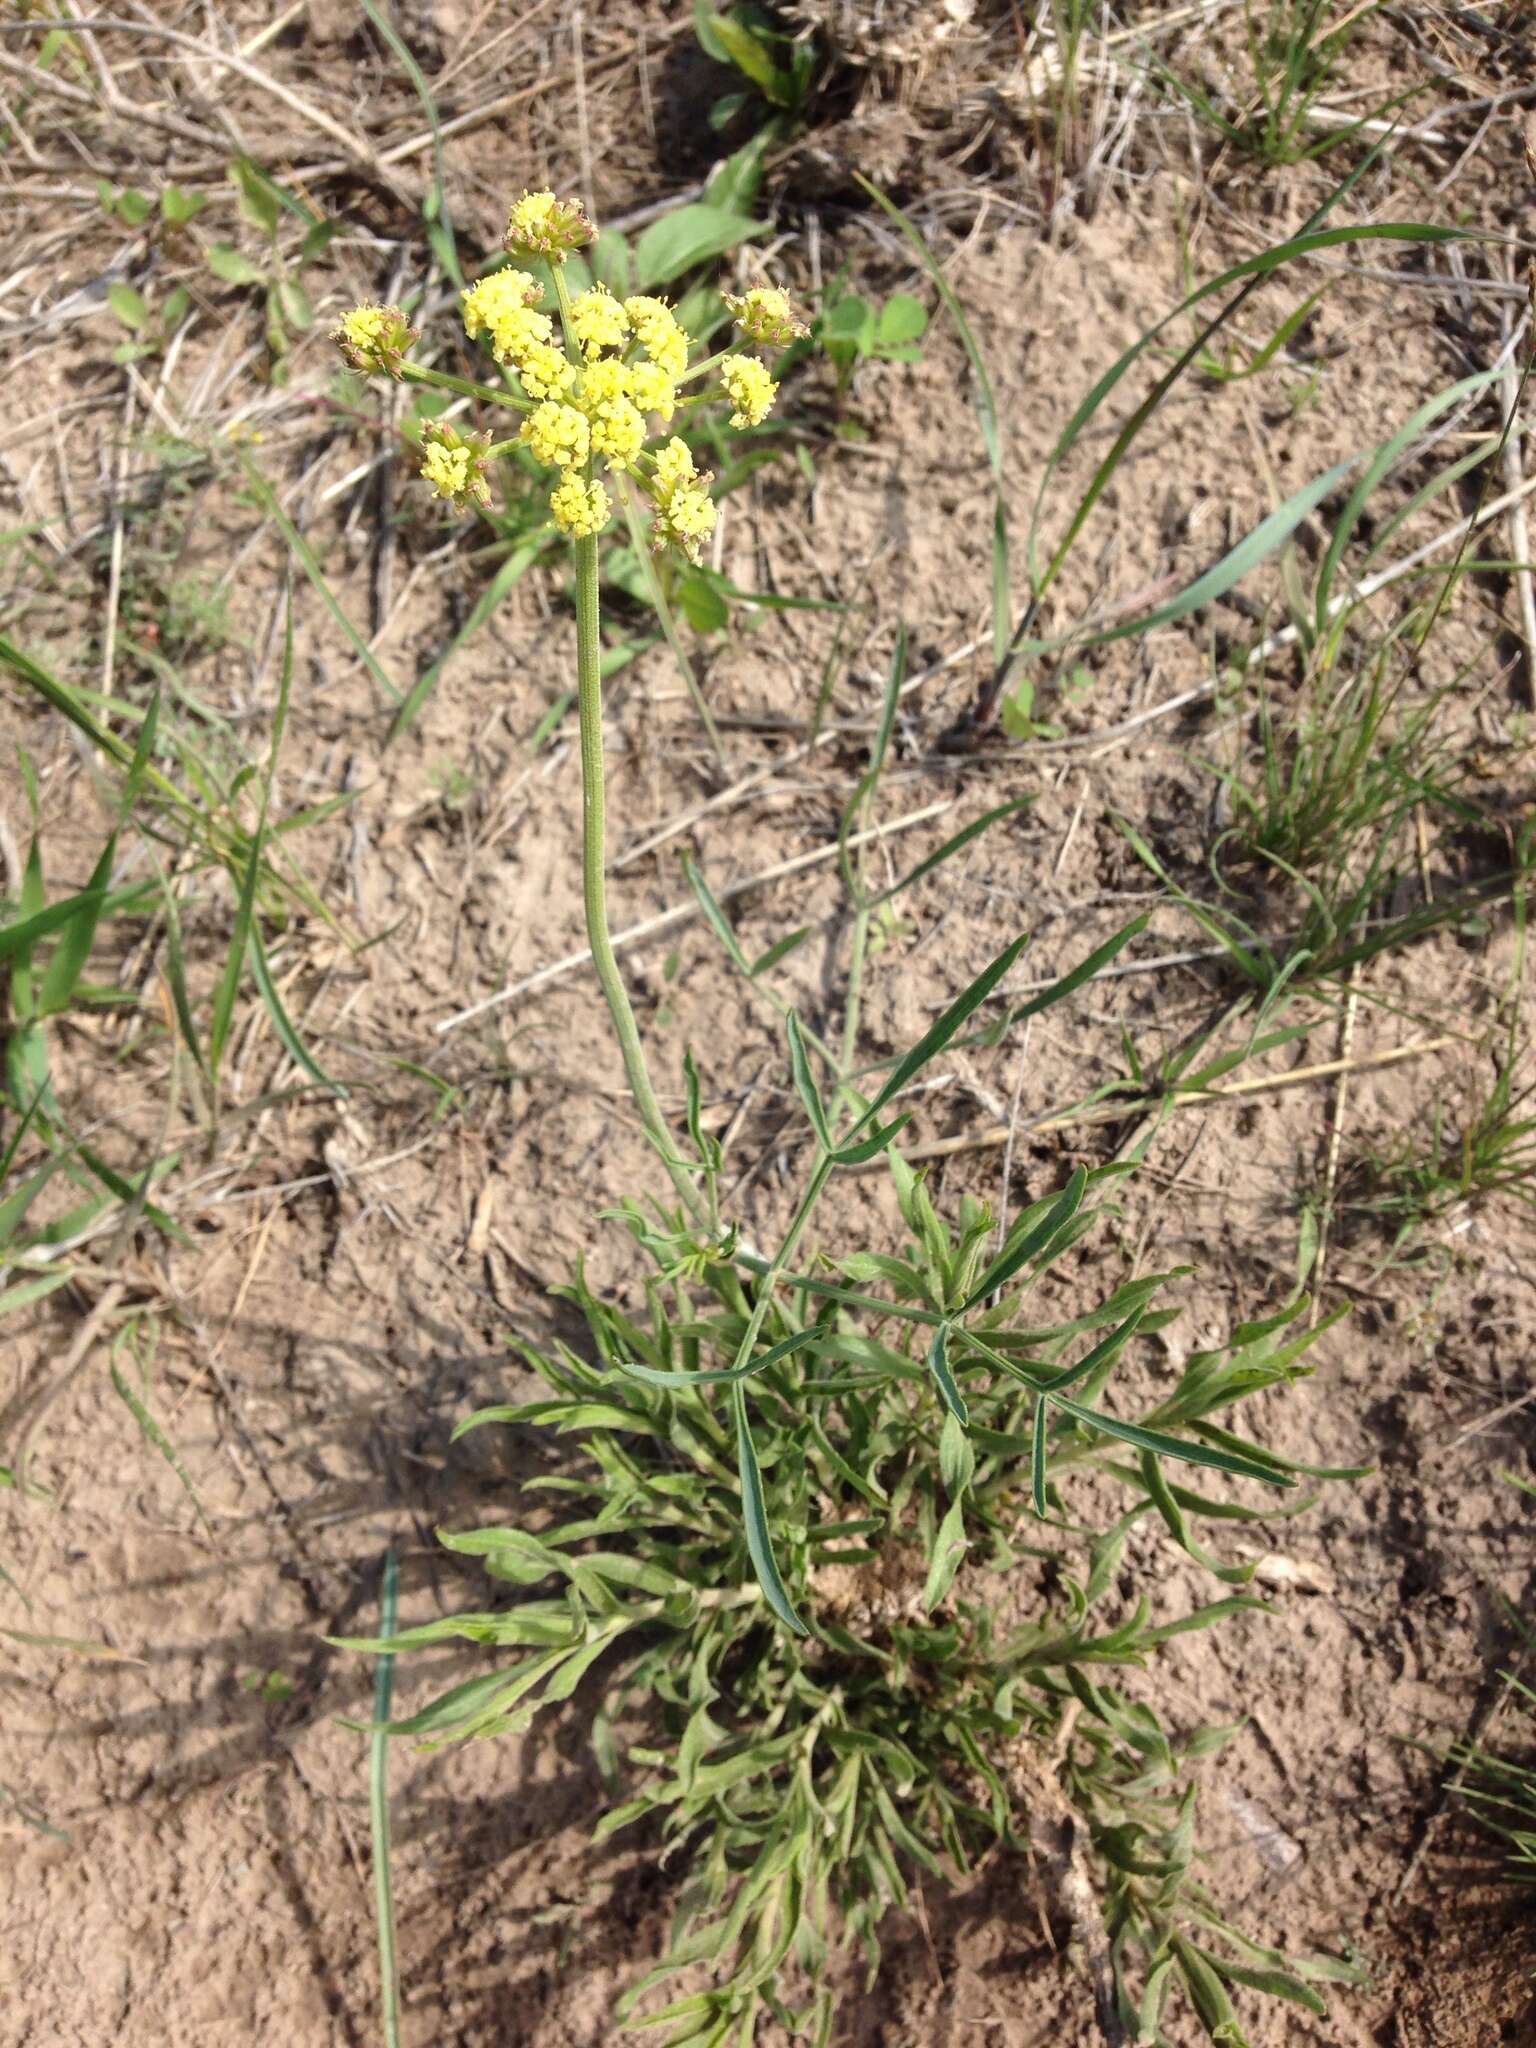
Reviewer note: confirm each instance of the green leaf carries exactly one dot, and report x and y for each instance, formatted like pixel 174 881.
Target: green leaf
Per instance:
pixel 701 603
pixel 902 319
pixel 944 1379
pixel 729 39
pixel 755 1515
pixel 245 910
pixel 735 183
pixel 779 950
pixel 1253 549
pixel 952 845
pixel 805 1083
pixel 260 200
pixel 957 1458
pixel 693 235
pixel 226 263
pixel 611 263
pixel 938 1035
pixel 725 1377
pixel 1172 1446
pixel 1037 1458
pixel 130 306
pixel 73 950
pixel 178 206
pixel 131 206
pixel 949 1548
pixel 864 1149
pixel 155 1435
pixel 282 1023
pixel 850 319
pixel 1059 990
pixel 1030 1243
pixel 293 301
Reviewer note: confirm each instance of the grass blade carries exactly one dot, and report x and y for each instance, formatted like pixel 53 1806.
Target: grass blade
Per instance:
pixel 309 562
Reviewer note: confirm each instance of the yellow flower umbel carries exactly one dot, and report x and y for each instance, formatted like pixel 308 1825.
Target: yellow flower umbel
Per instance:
pixel 454 465
pixel 751 389
pixel 595 390
pixel 375 338
pixel 542 225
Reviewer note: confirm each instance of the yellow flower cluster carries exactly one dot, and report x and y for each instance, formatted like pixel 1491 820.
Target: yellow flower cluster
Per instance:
pixel 542 225
pixel 580 508
pixel 752 390
pixel 598 321
pixel 375 338
pixel 632 352
pixel 559 435
pixel 659 333
pixel 765 315
pixel 504 308
pixel 685 512
pixel 592 390
pixel 454 465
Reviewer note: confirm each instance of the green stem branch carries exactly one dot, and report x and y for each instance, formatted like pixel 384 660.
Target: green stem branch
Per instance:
pixel 444 380
pixel 594 898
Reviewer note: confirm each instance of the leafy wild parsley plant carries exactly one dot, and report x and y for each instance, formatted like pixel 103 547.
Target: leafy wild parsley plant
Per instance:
pixel 822 1553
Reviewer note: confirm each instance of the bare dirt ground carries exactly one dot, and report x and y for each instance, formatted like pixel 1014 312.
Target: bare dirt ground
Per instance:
pixel 185 1818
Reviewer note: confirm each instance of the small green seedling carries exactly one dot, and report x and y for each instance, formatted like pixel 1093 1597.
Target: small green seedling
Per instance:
pixel 263 204
pixel 779 69
pixel 851 332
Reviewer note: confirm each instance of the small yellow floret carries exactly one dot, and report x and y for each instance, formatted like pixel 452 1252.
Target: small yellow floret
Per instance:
pixel 687 518
pixel 674 467
pixel 598 321
pixel 685 513
pixel 659 333
pixel 374 338
pixel 654 391
pixel 448 470
pixel 502 307
pixel 558 435
pixel 751 388
pixel 579 508
pixel 618 431
pixel 617 426
pixel 364 326
pixel 544 371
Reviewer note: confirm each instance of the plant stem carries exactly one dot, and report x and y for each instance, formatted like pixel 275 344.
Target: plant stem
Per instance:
pixel 594 898
pixel 444 380
pixel 782 1257
pixel 658 595
pixel 378 1810
pixel 858 953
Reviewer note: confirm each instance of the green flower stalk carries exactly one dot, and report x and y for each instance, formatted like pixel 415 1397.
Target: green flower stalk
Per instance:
pixel 598 395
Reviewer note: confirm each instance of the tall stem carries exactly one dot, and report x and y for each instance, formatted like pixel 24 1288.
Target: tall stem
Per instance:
pixel 593 887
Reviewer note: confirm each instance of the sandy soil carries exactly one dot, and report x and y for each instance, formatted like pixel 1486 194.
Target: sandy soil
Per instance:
pixel 185 1818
